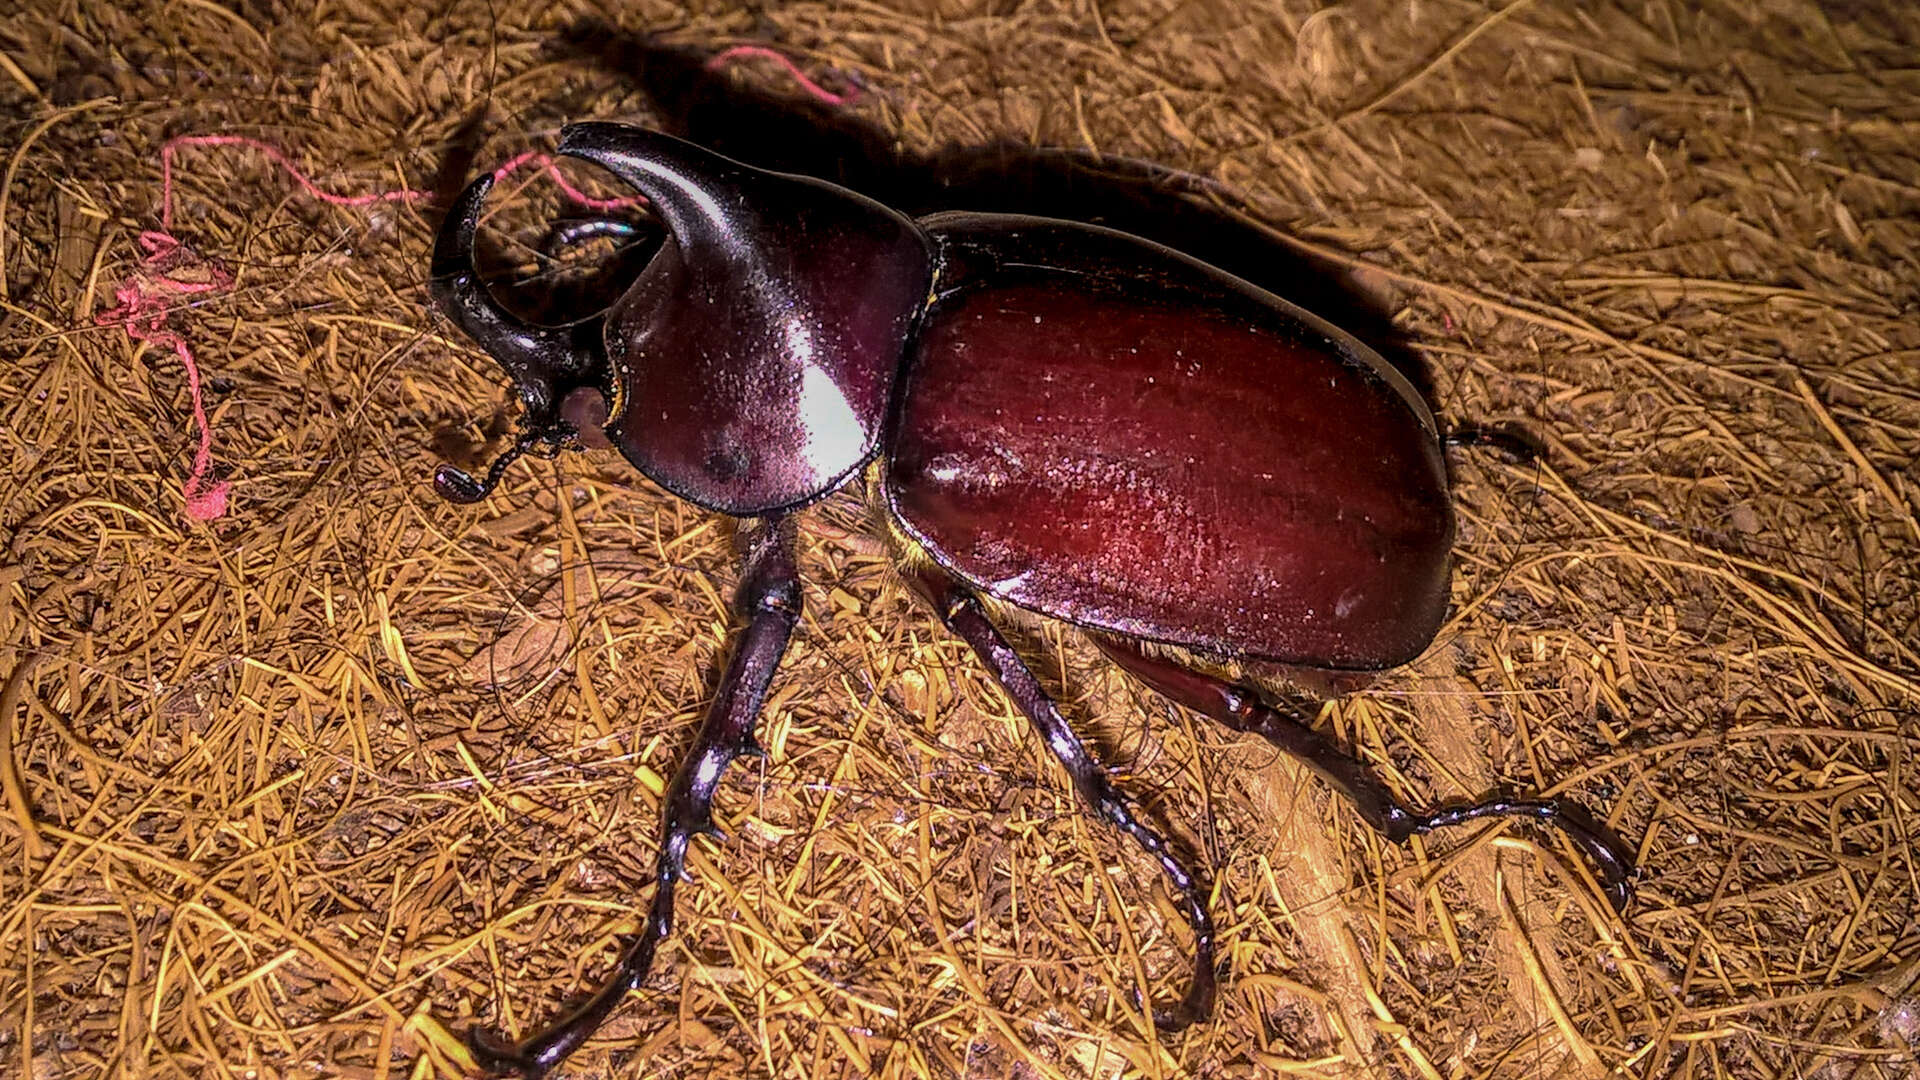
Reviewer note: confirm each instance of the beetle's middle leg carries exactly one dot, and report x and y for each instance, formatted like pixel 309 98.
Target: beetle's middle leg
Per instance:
pixel 1242 709
pixel 961 611
pixel 768 598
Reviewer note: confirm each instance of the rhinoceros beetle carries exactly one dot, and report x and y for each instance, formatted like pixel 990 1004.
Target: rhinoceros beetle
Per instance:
pixel 1222 489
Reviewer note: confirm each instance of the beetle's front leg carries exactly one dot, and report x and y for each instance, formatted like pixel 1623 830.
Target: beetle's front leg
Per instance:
pixel 768 598
pixel 571 232
pixel 963 614
pixel 1241 709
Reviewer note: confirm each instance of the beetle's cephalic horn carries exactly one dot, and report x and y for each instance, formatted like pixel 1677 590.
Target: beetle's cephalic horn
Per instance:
pixel 546 362
pixel 701 197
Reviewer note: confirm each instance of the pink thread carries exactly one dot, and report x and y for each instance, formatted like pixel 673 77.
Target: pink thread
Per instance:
pixel 143 312
pixel 760 52
pixel 545 161
pixel 166 175
pixel 145 296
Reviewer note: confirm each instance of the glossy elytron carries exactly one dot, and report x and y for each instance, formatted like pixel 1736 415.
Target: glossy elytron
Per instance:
pixel 1062 418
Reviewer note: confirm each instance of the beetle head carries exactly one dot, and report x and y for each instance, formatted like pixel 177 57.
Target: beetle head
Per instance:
pixel 752 362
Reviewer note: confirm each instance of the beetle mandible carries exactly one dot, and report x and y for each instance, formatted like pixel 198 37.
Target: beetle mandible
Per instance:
pixel 1216 485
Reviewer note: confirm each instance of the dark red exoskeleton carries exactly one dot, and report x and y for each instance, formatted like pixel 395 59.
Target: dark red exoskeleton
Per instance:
pixel 1215 484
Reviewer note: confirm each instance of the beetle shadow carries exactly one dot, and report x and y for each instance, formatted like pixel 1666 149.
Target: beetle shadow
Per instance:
pixel 790 132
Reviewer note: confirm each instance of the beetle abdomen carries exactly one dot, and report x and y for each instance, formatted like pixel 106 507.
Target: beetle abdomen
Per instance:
pixel 1103 431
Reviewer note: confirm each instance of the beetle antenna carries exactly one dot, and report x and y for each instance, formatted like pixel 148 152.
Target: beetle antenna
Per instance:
pixel 459 486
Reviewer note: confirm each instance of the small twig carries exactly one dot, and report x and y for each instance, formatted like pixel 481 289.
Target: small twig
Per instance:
pixel 1873 475
pixel 16 793
pixel 1537 973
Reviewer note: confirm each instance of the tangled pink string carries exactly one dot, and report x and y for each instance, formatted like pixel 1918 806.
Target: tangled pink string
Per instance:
pixel 171 271
pixel 144 303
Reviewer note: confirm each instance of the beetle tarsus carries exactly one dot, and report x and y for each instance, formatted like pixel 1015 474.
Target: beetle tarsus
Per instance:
pixel 458 485
pixel 1514 444
pixel 1241 709
pixel 572 232
pixel 768 599
pixel 1611 858
pixel 963 614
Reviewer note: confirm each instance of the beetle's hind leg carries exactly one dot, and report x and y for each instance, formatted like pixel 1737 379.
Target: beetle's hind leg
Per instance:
pixel 768 598
pixel 1242 709
pixel 962 612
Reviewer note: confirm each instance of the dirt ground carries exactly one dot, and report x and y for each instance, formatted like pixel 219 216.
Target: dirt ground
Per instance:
pixel 312 782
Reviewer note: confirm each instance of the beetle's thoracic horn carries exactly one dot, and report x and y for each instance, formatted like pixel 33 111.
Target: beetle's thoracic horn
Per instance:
pixel 545 362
